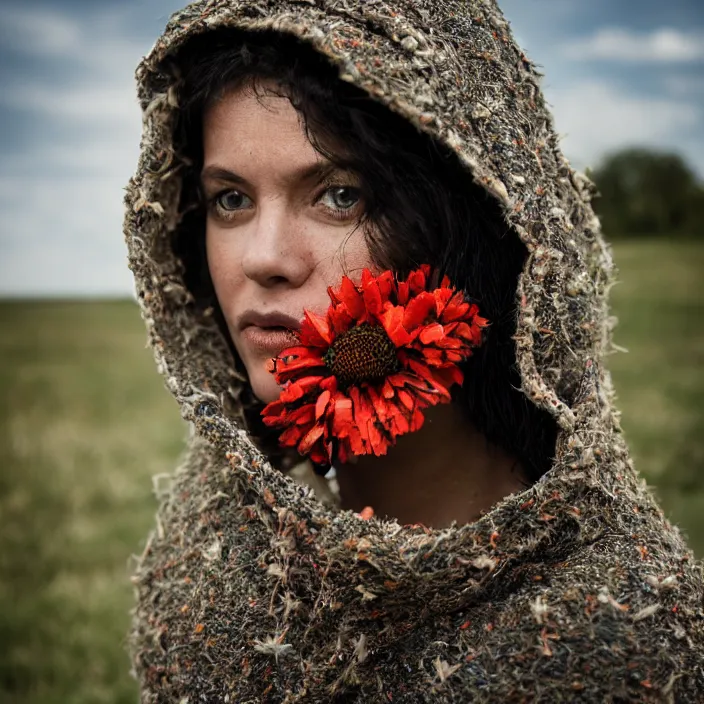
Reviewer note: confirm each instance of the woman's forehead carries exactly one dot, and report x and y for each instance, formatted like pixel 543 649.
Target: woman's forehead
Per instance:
pixel 247 132
pixel 242 125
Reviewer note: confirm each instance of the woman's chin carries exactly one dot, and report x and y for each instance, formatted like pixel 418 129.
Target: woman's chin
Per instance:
pixel 265 387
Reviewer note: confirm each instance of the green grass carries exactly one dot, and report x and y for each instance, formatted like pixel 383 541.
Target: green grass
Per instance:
pixel 85 423
pixel 660 383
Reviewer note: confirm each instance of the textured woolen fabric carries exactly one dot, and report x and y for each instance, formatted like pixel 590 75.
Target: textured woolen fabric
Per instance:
pixel 250 589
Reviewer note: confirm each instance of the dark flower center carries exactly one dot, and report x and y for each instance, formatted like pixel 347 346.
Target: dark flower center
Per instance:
pixel 363 353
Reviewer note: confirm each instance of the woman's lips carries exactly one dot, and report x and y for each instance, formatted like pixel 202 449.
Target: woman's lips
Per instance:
pixel 269 341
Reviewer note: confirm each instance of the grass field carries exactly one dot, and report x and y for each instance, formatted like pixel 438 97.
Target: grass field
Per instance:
pixel 85 424
pixel 660 381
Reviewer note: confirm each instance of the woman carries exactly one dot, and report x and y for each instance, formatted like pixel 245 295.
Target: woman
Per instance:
pixel 490 540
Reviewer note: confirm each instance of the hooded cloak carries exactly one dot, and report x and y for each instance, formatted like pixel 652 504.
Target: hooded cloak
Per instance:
pixel 253 589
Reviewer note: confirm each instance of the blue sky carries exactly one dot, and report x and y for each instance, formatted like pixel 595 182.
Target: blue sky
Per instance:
pixel 617 73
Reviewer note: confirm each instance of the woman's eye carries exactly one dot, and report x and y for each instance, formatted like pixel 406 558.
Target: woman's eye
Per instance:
pixel 230 201
pixel 341 197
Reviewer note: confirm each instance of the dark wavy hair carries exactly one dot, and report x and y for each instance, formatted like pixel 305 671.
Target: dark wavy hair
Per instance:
pixel 422 206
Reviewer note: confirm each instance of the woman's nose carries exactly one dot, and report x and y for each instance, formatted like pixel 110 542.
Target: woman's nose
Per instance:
pixel 276 250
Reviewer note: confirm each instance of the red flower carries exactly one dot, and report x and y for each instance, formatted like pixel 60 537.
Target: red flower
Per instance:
pixel 362 375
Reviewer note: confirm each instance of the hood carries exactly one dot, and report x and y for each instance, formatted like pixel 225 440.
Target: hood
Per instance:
pixel 252 534
pixel 453 71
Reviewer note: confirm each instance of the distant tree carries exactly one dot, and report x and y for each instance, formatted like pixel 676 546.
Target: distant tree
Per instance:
pixel 695 221
pixel 648 193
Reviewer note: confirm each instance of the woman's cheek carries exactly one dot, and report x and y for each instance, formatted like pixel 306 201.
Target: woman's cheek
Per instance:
pixel 225 269
pixel 348 257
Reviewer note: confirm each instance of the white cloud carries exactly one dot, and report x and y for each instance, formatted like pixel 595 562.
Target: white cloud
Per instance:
pixel 596 117
pixel 92 157
pixel 664 45
pixel 63 236
pixel 61 195
pixel 113 103
pixel 98 41
pixel 685 86
pixel 41 32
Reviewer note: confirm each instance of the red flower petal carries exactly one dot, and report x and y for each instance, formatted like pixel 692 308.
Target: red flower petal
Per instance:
pixel 431 332
pixel 334 296
pixel 303 416
pixel 387 285
pixel 442 298
pixel 471 333
pixel 298 389
pixel 450 343
pixel 284 370
pixel 321 404
pixel 417 421
pixel 424 373
pixel 404 291
pixel 378 442
pixel 310 439
pixel 342 411
pixel 371 293
pixel 320 325
pixel 298 351
pixel 392 320
pixel 447 376
pixel 401 424
pixel 406 399
pixel 340 320
pixel 273 413
pixel 351 298
pixel 418 310
pixel 382 409
pixel 416 281
pixel 292 435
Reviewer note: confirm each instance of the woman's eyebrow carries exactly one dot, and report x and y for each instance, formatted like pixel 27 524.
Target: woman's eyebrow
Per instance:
pixel 317 172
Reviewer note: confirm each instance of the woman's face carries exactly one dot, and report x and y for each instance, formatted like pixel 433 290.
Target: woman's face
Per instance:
pixel 280 228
